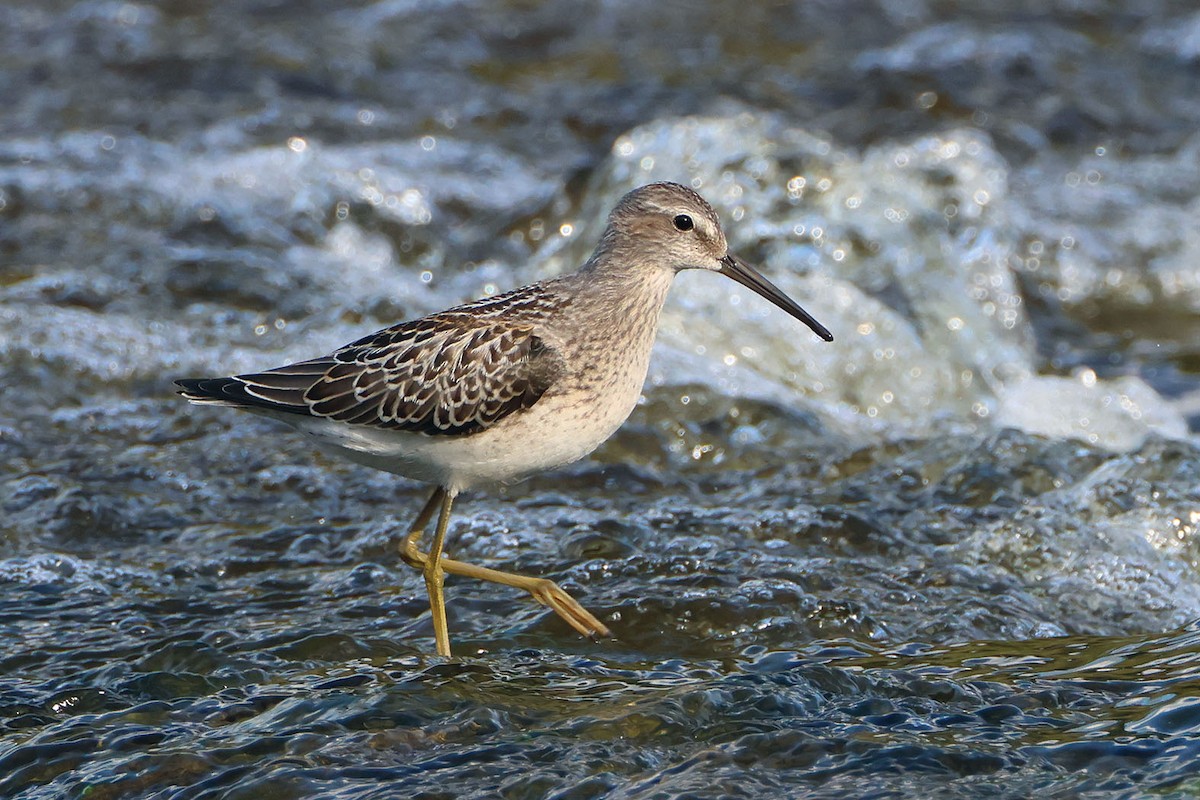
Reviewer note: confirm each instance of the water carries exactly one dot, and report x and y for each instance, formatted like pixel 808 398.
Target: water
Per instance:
pixel 952 554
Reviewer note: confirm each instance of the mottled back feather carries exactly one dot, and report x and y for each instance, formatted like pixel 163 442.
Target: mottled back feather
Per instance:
pixel 456 372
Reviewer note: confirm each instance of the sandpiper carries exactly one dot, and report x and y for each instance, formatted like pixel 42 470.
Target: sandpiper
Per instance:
pixel 495 390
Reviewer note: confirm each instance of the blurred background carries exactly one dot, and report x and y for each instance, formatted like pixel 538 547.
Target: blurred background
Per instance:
pixel 951 553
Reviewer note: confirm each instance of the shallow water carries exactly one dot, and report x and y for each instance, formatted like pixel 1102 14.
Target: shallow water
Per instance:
pixel 952 554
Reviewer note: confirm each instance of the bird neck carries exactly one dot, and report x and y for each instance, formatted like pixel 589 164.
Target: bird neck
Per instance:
pixel 609 332
pixel 624 297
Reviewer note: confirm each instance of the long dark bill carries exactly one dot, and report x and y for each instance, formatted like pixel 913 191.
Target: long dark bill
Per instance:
pixel 748 276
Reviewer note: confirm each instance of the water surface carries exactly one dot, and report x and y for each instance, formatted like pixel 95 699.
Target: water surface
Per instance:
pixel 951 554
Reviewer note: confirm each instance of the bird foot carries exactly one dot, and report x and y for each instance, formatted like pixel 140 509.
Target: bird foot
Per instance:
pixel 551 595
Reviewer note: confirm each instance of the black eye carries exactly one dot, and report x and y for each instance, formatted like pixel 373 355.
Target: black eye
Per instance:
pixel 683 222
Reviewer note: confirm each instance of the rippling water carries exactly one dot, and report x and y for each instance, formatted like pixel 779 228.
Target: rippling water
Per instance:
pixel 952 554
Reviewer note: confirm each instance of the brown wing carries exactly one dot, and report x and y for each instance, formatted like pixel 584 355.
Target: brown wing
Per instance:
pixel 443 375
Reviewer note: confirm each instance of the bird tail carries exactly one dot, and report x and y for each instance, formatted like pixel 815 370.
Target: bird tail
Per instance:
pixel 214 391
pixel 279 390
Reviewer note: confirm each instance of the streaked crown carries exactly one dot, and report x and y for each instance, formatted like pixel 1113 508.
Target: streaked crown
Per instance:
pixel 664 225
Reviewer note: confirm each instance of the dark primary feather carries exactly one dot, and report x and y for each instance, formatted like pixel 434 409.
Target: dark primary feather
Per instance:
pixel 452 373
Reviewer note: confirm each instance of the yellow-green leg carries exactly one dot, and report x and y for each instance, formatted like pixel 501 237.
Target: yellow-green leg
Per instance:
pixel 431 564
pixel 545 591
pixel 435 577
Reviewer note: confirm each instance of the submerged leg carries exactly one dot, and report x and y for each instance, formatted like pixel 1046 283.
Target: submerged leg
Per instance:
pixel 545 591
